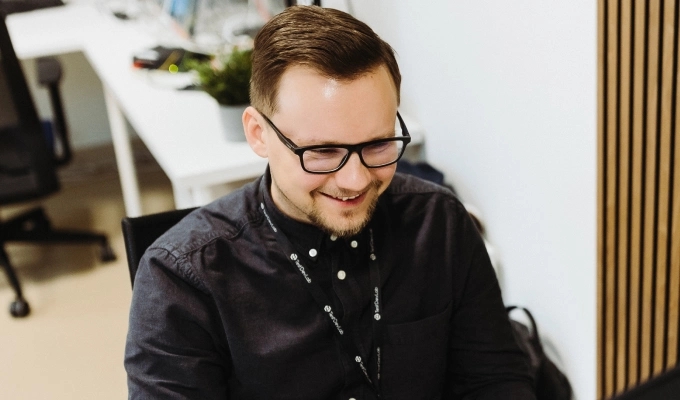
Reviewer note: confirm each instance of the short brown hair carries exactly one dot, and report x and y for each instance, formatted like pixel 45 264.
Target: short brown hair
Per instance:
pixel 332 42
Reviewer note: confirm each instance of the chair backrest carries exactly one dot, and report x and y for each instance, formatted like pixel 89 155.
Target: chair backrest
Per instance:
pixel 27 168
pixel 662 387
pixel 140 232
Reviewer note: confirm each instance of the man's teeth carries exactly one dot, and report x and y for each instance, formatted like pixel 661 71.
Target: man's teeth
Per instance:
pixel 347 198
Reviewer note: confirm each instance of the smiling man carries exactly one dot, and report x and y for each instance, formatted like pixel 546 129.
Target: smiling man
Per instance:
pixel 331 276
pixel 330 187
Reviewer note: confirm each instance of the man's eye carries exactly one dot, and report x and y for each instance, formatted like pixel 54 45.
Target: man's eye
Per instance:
pixel 379 147
pixel 325 153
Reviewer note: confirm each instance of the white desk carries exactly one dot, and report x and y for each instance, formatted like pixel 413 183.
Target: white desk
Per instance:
pixel 180 128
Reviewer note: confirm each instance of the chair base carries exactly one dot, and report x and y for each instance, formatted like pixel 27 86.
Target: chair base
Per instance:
pixel 19 308
pixel 34 227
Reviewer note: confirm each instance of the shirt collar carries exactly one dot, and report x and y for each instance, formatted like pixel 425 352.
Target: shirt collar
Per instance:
pixel 305 237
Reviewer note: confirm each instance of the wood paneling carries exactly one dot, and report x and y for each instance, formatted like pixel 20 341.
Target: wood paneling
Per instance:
pixel 638 206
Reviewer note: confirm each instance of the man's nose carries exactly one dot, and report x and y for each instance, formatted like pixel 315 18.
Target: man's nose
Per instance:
pixel 354 175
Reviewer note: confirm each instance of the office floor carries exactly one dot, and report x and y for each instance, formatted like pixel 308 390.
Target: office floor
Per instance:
pixel 71 345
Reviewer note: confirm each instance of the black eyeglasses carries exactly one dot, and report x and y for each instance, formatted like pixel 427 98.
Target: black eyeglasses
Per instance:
pixel 327 158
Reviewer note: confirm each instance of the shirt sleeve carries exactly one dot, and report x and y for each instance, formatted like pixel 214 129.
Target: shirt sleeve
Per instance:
pixel 484 361
pixel 172 350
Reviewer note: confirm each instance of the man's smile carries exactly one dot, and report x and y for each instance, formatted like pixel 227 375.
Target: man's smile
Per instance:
pixel 345 200
pixel 348 198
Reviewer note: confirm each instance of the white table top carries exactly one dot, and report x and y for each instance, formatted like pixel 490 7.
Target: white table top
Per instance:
pixel 51 31
pixel 181 128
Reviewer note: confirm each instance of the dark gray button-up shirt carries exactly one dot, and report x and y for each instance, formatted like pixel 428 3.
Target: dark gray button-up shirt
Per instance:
pixel 219 311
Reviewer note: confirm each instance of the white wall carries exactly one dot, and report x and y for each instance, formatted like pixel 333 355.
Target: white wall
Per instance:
pixel 506 92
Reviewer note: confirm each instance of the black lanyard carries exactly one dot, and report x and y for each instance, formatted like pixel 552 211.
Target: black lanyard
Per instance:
pixel 322 300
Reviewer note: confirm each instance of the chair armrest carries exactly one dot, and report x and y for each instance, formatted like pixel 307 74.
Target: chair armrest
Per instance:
pixel 49 73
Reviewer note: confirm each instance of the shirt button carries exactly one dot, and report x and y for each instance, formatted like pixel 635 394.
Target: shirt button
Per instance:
pixel 312 252
pixel 334 238
pixel 342 275
pixel 354 244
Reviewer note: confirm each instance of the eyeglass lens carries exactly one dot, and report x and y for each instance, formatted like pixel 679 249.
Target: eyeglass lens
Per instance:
pixel 372 154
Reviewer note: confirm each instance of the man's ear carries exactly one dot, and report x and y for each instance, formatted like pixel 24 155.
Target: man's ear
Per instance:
pixel 254 130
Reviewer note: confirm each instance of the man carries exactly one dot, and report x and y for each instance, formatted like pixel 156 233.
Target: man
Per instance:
pixel 330 276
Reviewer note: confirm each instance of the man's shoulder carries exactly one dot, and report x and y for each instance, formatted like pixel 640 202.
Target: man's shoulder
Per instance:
pixel 225 218
pixel 409 196
pixel 410 186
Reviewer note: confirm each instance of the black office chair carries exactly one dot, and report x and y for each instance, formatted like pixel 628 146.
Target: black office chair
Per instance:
pixel 15 6
pixel 29 156
pixel 140 232
pixel 662 387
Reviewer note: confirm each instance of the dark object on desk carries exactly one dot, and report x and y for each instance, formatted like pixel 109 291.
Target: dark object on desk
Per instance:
pixel 290 3
pixel 550 383
pixel 28 161
pixel 140 232
pixel 662 387
pixel 121 15
pixel 16 6
pixel 421 170
pixel 172 59
pixel 425 171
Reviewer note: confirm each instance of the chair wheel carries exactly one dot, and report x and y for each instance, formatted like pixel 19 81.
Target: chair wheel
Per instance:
pixel 19 308
pixel 107 254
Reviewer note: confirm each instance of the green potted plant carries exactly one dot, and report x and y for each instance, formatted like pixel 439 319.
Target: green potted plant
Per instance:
pixel 226 77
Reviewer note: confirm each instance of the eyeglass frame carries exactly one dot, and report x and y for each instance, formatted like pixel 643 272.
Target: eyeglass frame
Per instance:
pixel 351 148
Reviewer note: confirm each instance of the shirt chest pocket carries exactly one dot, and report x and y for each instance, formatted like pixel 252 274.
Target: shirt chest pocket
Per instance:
pixel 414 357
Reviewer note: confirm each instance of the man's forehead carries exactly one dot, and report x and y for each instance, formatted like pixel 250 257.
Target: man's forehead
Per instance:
pixel 304 84
pixel 330 88
pixel 302 71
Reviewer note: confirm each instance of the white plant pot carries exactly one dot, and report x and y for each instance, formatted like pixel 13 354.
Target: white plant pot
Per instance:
pixel 232 125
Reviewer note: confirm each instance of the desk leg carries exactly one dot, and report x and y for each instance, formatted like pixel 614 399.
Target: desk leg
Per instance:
pixel 193 196
pixel 202 195
pixel 182 195
pixel 124 158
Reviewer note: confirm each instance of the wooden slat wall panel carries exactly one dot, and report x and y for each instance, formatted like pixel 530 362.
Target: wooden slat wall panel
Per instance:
pixel 639 56
pixel 601 99
pixel 638 204
pixel 649 215
pixel 674 280
pixel 624 40
pixel 663 188
pixel 611 80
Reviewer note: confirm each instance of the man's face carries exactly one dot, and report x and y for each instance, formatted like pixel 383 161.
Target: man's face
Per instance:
pixel 312 110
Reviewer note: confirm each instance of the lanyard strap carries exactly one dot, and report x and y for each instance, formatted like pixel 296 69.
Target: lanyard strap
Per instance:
pixel 322 300
pixel 376 325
